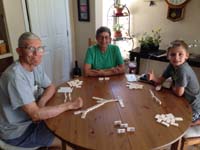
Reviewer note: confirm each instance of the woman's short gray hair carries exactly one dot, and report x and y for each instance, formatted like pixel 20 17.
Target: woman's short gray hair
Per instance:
pixel 27 36
pixel 101 30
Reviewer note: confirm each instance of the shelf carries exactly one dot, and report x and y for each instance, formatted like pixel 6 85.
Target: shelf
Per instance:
pixel 121 38
pixel 6 57
pixel 122 18
pixel 194 62
pixel 124 15
pixel 2 56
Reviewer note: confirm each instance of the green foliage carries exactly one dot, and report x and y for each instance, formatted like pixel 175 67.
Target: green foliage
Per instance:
pixel 118 4
pixel 117 27
pixel 151 39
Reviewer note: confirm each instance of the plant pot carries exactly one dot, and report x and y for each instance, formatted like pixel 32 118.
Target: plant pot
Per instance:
pixel 118 34
pixel 119 11
pixel 148 48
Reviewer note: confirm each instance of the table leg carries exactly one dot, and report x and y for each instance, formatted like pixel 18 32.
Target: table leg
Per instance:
pixel 137 64
pixel 64 145
pixel 176 145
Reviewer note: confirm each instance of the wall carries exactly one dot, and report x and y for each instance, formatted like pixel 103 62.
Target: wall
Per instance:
pixel 83 30
pixel 98 13
pixel 145 18
pixel 72 33
pixel 15 22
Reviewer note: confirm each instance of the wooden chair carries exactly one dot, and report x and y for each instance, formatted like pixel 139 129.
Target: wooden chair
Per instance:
pixel 91 42
pixel 191 138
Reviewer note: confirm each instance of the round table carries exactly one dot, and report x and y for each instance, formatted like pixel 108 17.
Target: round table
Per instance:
pixel 97 130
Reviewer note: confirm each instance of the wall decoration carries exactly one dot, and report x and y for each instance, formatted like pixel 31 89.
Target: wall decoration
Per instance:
pixel 83 10
pixel 176 9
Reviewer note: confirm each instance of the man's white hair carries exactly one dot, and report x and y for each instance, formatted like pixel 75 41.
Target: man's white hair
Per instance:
pixel 27 36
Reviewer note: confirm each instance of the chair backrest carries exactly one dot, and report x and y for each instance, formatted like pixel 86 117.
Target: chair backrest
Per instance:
pixel 91 42
pixel 191 138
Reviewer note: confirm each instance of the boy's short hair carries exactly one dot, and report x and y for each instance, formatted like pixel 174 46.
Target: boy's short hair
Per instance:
pixel 102 29
pixel 178 43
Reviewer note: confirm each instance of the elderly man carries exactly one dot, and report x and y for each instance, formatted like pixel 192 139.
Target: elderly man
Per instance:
pixel 103 59
pixel 25 90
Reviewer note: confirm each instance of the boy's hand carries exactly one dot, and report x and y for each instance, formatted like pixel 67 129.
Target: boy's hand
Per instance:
pixel 150 76
pixel 156 80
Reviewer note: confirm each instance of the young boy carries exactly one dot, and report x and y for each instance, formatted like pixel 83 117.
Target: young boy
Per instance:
pixel 184 79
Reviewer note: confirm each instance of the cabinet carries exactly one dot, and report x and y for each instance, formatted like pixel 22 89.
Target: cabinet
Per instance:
pixel 118 20
pixel 5 55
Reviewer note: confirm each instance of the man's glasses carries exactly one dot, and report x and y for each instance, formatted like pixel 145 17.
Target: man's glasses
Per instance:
pixel 32 49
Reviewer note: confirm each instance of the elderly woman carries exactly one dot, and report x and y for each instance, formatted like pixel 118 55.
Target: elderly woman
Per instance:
pixel 103 59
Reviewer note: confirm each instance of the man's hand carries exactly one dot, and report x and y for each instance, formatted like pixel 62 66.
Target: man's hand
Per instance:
pixel 41 103
pixel 41 113
pixel 47 95
pixel 76 104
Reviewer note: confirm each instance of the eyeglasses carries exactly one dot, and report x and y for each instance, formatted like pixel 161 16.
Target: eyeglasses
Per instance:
pixel 104 37
pixel 32 49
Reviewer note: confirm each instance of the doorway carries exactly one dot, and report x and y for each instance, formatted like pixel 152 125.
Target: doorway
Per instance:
pixel 49 19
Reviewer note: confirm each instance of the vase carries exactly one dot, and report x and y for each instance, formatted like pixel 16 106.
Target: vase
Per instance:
pixel 118 34
pixel 119 11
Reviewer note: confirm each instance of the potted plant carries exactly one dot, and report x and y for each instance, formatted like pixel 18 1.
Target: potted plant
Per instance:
pixel 150 42
pixel 119 8
pixel 117 30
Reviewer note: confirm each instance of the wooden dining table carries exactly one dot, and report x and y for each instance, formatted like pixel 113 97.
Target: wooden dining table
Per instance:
pixel 98 132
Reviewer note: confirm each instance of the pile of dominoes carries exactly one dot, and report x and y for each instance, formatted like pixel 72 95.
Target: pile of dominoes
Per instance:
pixel 67 92
pixel 168 119
pixel 134 85
pixel 104 78
pixel 123 127
pixel 75 83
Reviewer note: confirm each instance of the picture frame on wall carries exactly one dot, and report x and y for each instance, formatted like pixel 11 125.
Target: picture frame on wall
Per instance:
pixel 83 10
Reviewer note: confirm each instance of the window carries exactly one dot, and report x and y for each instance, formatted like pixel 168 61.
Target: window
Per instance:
pixel 124 45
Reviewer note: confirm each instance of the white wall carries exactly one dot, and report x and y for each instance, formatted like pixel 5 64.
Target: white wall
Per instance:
pixel 15 22
pixel 145 18
pixel 72 33
pixel 98 13
pixel 83 30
